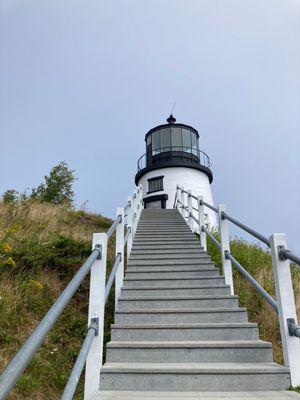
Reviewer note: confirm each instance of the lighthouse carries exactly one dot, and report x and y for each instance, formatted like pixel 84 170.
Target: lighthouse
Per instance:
pixel 173 158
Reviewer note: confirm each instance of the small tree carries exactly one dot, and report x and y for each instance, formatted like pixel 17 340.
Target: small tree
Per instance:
pixel 10 196
pixel 57 188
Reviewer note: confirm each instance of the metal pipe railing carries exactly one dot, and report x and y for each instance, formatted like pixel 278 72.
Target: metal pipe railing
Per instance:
pixel 252 281
pixel 288 255
pixel 72 383
pixel 246 228
pixel 209 206
pixel 211 237
pixel 20 361
pixel 113 227
pixel 127 235
pixel 294 329
pixel 112 276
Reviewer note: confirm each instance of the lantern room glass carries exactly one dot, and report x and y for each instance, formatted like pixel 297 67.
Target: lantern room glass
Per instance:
pixel 172 139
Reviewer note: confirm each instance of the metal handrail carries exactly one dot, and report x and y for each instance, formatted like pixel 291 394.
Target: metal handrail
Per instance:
pixel 294 329
pixel 246 228
pixel 74 377
pixel 72 383
pixel 127 235
pixel 242 270
pixel 113 226
pixel 212 237
pixel 20 361
pixel 288 255
pixel 252 281
pixel 202 202
pixel 112 275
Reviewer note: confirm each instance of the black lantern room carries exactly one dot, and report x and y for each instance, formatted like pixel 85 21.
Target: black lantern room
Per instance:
pixel 173 145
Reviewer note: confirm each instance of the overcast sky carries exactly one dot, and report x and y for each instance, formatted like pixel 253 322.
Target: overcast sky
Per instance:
pixel 84 80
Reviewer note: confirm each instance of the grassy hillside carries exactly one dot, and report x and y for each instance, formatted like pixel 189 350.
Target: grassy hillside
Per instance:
pixel 41 247
pixel 257 261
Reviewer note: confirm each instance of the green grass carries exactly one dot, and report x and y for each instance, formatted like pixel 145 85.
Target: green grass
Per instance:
pixel 257 261
pixel 41 248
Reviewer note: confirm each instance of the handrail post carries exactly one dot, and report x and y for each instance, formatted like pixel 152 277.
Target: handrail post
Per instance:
pixel 134 213
pixel 177 196
pixel 182 202
pixel 96 312
pixel 286 306
pixel 190 210
pixel 201 218
pixel 225 246
pixel 140 200
pixel 119 250
pixel 129 226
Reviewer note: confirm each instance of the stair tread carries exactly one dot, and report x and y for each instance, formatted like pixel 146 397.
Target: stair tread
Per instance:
pixel 190 344
pixel 192 368
pixel 179 287
pixel 192 297
pixel 192 395
pixel 222 325
pixel 179 310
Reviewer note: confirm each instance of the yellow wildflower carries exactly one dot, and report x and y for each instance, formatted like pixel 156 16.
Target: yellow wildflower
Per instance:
pixel 10 262
pixel 36 284
pixel 5 247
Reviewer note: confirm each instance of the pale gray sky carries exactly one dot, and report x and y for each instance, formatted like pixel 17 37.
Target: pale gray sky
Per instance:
pixel 83 81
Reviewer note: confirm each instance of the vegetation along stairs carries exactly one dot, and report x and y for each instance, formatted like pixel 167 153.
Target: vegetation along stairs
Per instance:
pixel 177 327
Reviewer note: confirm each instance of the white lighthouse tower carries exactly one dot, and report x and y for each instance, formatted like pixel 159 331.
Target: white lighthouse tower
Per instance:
pixel 173 158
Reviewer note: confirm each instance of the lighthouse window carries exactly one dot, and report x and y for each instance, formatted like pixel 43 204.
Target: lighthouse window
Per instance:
pixel 156 142
pixel 155 184
pixel 176 139
pixel 186 139
pixel 165 139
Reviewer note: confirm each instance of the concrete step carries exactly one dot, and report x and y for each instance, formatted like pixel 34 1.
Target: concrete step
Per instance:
pixel 183 273
pixel 196 331
pixel 183 316
pixel 177 302
pixel 188 395
pixel 169 240
pixel 171 282
pixel 169 256
pixel 166 246
pixel 194 376
pixel 168 251
pixel 171 267
pixel 170 261
pixel 242 351
pixel 176 291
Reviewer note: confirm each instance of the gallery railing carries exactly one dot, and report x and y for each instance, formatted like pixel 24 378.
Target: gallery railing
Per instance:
pixel 186 155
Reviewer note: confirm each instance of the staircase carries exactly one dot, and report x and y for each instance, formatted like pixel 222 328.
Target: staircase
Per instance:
pixel 177 328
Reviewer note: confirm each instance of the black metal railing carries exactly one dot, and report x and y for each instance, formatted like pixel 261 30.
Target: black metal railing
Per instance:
pixel 185 155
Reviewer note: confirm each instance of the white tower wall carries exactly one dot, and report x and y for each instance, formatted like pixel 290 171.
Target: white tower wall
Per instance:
pixel 189 178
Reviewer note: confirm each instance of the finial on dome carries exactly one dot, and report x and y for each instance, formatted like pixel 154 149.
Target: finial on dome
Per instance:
pixel 171 119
